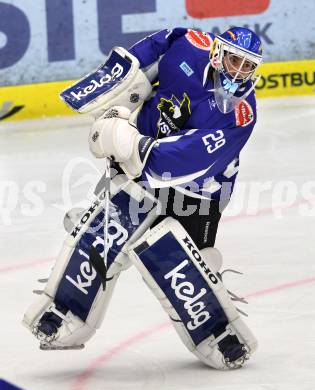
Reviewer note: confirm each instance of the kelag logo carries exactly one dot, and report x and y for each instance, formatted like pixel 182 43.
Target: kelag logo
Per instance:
pixel 217 8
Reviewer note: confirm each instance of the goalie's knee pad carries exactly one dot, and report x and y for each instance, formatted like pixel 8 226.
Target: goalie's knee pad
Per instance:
pixel 74 301
pixel 213 258
pixel 186 284
pixel 72 218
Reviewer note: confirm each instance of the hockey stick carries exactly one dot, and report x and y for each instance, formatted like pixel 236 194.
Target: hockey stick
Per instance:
pixel 106 207
pixel 99 264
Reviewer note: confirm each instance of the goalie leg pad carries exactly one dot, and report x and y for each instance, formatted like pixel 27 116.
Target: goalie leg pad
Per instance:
pixel 193 295
pixel 76 296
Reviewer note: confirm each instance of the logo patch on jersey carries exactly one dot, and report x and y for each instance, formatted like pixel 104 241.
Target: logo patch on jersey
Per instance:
pixel 186 68
pixel 199 39
pixel 212 104
pixel 244 114
pixel 173 114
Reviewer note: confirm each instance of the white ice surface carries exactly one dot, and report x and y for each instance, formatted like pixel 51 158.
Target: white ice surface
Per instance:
pixel 275 248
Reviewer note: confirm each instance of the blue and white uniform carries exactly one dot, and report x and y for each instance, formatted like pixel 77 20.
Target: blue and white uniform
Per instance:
pixel 199 146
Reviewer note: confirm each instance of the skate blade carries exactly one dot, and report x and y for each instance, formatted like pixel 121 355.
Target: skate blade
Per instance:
pixel 47 347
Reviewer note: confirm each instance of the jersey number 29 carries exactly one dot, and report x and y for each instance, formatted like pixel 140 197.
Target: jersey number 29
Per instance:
pixel 214 141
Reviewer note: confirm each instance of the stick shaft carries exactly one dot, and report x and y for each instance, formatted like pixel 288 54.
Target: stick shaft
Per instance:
pixel 106 207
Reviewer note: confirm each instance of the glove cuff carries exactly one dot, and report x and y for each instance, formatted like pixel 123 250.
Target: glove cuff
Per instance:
pixel 134 165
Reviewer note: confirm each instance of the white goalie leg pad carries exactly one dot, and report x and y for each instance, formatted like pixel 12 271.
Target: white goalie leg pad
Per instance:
pixel 213 258
pixel 66 330
pixel 74 301
pixel 72 218
pixel 193 295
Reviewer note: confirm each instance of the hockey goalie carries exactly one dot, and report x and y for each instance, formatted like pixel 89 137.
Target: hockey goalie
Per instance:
pixel 172 115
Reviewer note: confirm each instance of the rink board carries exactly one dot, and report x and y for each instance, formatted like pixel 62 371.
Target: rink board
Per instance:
pixel 42 100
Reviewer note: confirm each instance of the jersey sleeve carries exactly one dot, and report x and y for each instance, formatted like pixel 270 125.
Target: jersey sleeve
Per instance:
pixel 149 49
pixel 193 155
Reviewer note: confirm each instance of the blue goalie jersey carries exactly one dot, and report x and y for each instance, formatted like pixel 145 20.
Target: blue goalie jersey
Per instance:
pixel 198 146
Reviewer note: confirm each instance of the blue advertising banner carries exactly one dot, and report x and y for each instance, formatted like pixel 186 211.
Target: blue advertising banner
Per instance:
pixel 65 39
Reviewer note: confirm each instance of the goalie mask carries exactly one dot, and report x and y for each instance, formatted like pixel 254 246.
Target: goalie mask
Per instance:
pixel 235 56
